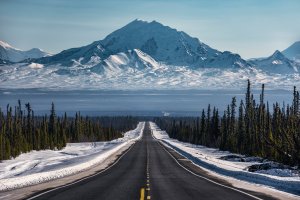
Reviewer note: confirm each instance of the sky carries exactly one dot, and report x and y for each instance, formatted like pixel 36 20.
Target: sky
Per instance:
pixel 252 28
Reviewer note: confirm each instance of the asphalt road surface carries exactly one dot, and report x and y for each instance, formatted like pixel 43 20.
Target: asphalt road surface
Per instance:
pixel 148 171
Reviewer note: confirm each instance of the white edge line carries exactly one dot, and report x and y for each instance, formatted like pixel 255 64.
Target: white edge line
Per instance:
pixel 91 176
pixel 237 190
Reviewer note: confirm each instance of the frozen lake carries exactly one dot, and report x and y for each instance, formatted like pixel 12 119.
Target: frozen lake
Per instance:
pixel 141 103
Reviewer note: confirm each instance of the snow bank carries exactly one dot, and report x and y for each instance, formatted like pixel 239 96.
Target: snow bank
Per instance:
pixel 41 166
pixel 210 159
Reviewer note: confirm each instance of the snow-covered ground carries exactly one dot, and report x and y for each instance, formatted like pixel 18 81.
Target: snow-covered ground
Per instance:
pixel 232 165
pixel 40 166
pixel 138 72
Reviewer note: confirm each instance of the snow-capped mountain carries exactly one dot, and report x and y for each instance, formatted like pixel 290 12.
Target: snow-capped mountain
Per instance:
pixel 293 52
pixel 9 53
pixel 148 55
pixel 277 63
pixel 130 61
pixel 162 43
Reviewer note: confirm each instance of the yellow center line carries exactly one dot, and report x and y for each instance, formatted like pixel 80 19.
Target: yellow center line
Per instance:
pixel 148 175
pixel 142 194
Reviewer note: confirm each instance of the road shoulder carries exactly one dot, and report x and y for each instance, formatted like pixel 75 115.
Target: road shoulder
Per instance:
pixel 29 191
pixel 252 189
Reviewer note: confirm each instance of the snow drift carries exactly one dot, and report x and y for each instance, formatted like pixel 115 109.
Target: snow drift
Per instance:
pixel 41 166
pixel 213 160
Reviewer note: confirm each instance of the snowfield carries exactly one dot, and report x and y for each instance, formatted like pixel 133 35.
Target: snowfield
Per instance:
pixel 213 160
pixel 41 166
pixel 148 55
pixel 138 72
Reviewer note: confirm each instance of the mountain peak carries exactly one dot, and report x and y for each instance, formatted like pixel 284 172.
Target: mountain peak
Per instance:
pixel 277 63
pixel 161 42
pixel 140 21
pixel 13 54
pixel 164 44
pixel 277 55
pixel 137 24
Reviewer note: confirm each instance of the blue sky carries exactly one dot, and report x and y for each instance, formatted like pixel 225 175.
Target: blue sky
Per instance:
pixel 252 28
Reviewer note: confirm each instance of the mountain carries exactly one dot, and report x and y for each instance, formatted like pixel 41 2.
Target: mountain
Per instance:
pixel 293 52
pixel 12 54
pixel 148 55
pixel 124 62
pixel 276 63
pixel 134 59
pixel 164 44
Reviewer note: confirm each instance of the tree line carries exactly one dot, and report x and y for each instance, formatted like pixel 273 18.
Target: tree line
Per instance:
pixel 21 131
pixel 251 127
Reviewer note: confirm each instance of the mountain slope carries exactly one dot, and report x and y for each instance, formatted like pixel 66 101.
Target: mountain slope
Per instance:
pixel 162 43
pixel 144 55
pixel 293 52
pixel 135 59
pixel 277 63
pixel 12 54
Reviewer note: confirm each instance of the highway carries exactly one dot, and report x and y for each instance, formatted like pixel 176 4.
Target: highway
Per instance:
pixel 148 170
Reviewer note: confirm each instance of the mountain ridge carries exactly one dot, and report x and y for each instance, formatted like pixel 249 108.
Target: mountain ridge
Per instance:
pixel 276 63
pixel 147 55
pixel 12 54
pixel 162 43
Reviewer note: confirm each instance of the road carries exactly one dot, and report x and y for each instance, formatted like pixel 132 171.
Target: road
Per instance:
pixel 147 171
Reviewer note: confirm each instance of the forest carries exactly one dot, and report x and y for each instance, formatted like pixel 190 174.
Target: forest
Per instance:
pixel 250 127
pixel 21 131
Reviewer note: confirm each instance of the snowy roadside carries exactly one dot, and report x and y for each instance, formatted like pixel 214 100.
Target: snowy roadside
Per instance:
pixel 211 159
pixel 40 166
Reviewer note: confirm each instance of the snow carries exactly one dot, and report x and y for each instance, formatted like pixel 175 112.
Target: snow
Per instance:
pixel 276 62
pixel 94 60
pixel 148 55
pixel 12 54
pixel 279 172
pixel 5 45
pixel 35 65
pixel 138 72
pixel 162 43
pixel 210 159
pixel 41 166
pixel 100 48
pixel 146 58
